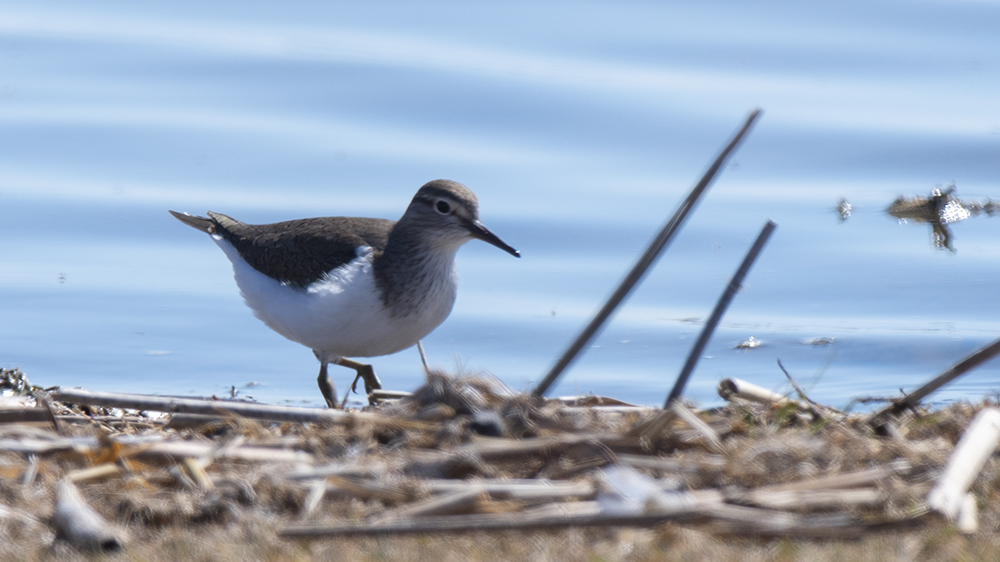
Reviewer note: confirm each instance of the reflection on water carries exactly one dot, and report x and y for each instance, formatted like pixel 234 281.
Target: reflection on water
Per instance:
pixel 939 210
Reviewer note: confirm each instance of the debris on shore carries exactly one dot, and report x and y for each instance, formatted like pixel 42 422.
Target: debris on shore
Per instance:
pixel 467 455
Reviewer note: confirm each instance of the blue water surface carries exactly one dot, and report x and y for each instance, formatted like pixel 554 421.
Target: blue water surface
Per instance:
pixel 580 126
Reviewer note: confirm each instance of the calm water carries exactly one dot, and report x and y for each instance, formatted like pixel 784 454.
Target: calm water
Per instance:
pixel 579 126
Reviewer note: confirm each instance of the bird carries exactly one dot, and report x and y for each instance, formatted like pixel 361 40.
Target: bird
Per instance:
pixel 352 287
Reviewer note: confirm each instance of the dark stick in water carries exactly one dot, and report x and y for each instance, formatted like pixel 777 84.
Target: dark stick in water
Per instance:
pixel 720 309
pixel 978 357
pixel 645 262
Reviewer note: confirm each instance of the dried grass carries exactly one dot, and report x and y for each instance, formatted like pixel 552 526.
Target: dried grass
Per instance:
pixel 166 514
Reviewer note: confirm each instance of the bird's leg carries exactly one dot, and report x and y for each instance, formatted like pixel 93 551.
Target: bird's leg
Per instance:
pixel 365 372
pixel 423 357
pixel 326 387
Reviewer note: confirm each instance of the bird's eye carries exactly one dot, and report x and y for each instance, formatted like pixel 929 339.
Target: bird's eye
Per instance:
pixel 442 207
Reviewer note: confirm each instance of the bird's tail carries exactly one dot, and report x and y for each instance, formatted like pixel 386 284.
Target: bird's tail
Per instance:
pixel 201 223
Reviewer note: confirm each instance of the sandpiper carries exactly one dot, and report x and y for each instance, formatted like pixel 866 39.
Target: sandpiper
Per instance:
pixel 353 287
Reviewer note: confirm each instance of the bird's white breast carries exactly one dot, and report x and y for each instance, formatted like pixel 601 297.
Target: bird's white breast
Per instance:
pixel 342 315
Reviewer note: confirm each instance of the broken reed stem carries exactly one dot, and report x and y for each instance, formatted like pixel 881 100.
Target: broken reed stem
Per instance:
pixel 720 308
pixel 978 357
pixel 653 252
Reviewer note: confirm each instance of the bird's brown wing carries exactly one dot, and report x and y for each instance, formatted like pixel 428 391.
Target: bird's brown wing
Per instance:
pixel 300 252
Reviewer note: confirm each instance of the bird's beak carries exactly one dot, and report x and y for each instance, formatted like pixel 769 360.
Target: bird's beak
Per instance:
pixel 478 230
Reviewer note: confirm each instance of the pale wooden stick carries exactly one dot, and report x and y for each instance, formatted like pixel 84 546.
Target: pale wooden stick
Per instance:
pixel 32 446
pixel 810 499
pixel 976 445
pixel 78 524
pixel 197 406
pixel 383 394
pixel 156 447
pixel 182 449
pixel 738 388
pixel 224 407
pixel 98 472
pixel 519 489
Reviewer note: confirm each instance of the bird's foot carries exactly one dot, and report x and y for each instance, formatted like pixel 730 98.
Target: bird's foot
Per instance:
pixel 364 372
pixel 371 381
